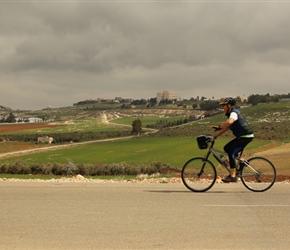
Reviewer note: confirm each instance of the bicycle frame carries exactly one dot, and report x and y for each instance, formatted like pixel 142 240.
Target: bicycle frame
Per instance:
pixel 257 174
pixel 216 152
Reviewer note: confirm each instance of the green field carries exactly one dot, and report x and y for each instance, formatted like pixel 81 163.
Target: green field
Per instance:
pixel 172 146
pixel 146 120
pixel 143 151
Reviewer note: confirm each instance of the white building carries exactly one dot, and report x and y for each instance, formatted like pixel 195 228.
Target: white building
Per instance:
pixel 166 95
pixel 44 139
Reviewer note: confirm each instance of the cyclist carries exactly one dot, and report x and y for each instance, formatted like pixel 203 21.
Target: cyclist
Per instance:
pixel 242 131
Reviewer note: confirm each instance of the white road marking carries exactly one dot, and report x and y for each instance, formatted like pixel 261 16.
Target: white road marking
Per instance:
pixel 246 205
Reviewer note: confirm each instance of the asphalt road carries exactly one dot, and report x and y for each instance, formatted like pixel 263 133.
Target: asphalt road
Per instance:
pixel 46 215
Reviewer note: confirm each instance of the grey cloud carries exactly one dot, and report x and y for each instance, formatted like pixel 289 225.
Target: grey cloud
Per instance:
pixel 107 49
pixel 102 37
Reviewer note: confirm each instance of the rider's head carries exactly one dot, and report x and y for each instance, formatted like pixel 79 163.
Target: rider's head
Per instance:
pixel 227 104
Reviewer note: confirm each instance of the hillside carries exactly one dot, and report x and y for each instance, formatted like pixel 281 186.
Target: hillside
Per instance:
pixel 276 153
pixel 271 122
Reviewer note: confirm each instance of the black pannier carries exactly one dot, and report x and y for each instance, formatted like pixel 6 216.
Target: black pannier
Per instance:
pixel 201 141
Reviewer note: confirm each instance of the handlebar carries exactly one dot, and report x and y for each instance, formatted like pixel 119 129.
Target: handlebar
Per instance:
pixel 209 139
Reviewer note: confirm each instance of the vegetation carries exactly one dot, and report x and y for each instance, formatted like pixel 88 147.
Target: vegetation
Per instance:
pixel 142 155
pixel 209 105
pixel 68 137
pixel 57 169
pixel 256 99
pixel 137 127
pixel 164 151
pixel 10 118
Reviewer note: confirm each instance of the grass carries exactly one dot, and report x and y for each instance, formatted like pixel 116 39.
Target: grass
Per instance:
pixel 271 112
pixel 29 177
pixel 143 151
pixel 146 120
pixel 174 151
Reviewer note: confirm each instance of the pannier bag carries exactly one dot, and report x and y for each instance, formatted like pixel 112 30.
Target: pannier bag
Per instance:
pixel 201 141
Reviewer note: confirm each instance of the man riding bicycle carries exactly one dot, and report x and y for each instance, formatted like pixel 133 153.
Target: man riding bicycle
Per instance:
pixel 242 131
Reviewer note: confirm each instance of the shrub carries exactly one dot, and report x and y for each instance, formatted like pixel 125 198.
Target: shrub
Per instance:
pixel 96 169
pixel 67 137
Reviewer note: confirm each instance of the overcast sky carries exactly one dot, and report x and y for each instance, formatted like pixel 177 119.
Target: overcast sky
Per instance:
pixel 60 52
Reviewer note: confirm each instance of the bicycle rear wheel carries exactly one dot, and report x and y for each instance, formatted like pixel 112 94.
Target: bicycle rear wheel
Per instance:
pixel 258 174
pixel 198 174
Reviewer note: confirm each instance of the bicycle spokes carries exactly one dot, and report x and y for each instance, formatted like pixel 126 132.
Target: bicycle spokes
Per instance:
pixel 258 174
pixel 198 174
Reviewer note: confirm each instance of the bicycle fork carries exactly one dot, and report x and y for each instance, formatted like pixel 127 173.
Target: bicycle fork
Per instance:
pixel 203 165
pixel 202 168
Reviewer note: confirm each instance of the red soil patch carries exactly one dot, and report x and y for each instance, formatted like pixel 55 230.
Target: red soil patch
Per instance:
pixel 8 128
pixel 9 146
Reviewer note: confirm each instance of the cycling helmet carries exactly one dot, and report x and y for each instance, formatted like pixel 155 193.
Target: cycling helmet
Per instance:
pixel 228 100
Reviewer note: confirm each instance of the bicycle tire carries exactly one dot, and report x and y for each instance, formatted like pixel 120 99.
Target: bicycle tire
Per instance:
pixel 261 180
pixel 190 174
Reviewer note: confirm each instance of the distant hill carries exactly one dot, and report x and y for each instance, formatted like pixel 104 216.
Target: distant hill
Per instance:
pixel 2 108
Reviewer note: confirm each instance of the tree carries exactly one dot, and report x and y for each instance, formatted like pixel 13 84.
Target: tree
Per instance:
pixel 11 118
pixel 153 101
pixel 253 99
pixel 137 126
pixel 238 99
pixel 209 105
pixel 194 105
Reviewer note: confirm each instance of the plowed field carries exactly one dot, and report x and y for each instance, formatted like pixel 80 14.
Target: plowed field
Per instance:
pixel 7 146
pixel 8 128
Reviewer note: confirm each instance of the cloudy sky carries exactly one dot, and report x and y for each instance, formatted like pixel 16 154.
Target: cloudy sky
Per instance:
pixel 60 52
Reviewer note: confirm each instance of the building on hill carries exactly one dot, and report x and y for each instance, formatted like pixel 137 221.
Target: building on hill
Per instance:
pixel 166 95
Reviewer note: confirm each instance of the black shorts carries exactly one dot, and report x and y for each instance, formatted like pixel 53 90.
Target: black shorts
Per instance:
pixel 235 146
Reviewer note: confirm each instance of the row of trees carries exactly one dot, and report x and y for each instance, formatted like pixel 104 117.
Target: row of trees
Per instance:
pixel 166 124
pixel 211 104
pixel 10 119
pixel 255 99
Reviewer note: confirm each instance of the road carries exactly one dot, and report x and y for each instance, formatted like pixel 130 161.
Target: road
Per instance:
pixel 64 215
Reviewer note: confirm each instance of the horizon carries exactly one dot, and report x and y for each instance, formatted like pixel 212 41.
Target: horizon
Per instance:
pixel 72 104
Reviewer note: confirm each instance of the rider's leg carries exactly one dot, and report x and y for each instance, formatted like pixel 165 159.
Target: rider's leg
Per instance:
pixel 233 148
pixel 233 172
pixel 230 149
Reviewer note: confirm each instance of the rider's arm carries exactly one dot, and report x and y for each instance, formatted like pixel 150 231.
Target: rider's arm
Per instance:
pixel 224 127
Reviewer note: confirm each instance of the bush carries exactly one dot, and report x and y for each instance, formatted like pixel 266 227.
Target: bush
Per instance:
pixel 68 137
pixel 96 169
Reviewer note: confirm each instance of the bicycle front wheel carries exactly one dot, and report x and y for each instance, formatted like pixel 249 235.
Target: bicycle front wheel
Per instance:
pixel 198 174
pixel 258 174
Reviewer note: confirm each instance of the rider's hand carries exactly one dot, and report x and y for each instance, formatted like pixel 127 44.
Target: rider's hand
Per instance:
pixel 211 138
pixel 216 128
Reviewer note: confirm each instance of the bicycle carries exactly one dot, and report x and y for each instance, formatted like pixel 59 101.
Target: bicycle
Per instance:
pixel 199 174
